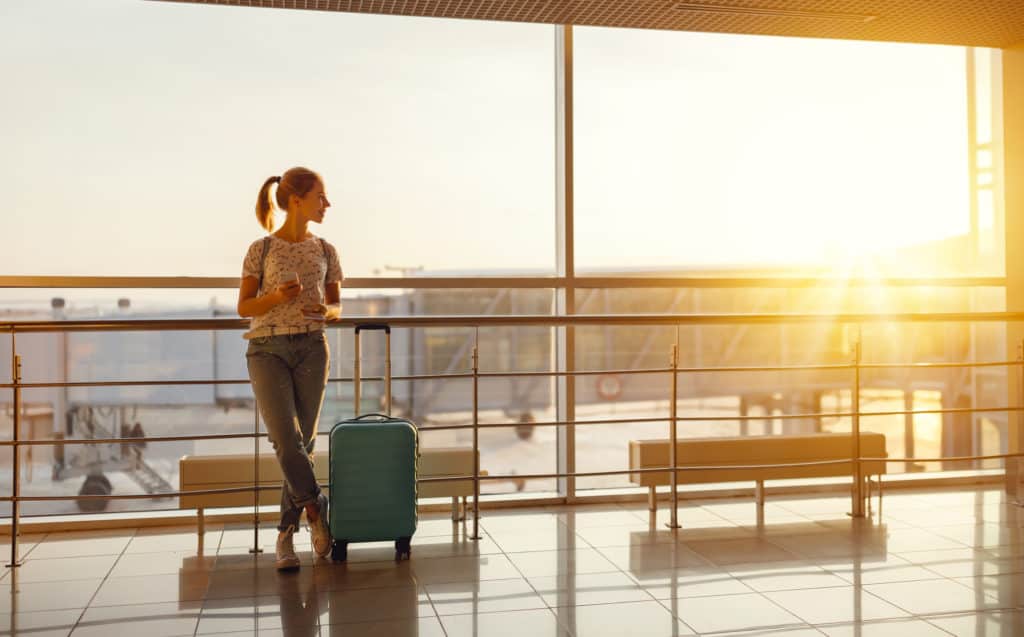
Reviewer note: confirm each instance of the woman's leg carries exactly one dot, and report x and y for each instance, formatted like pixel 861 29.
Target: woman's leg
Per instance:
pixel 274 387
pixel 310 376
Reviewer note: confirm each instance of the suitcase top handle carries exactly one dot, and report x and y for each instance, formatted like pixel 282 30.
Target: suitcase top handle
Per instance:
pixel 373 327
pixel 381 417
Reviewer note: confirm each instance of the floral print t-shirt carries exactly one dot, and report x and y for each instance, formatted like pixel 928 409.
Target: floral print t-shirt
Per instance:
pixel 313 259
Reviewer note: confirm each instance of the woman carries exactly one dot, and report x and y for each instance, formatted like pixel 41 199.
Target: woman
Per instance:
pixel 291 285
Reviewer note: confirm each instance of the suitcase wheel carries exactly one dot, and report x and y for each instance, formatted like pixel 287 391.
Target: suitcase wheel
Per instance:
pixel 403 548
pixel 339 550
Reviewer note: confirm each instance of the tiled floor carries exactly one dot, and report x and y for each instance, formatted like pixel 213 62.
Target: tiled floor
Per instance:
pixel 938 563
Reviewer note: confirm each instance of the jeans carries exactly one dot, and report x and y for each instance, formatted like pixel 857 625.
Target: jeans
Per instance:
pixel 288 374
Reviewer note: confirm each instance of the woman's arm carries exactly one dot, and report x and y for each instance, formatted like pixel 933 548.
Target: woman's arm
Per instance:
pixel 330 309
pixel 251 305
pixel 333 297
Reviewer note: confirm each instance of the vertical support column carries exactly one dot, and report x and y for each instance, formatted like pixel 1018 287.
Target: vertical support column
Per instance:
pixel 1012 124
pixel 476 435
pixel 673 458
pixel 857 509
pixel 255 480
pixel 356 375
pixel 15 505
pixel 565 297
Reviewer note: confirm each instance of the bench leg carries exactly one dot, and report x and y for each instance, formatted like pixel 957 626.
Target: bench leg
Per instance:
pixel 759 498
pixel 652 499
pixel 201 526
pixel 868 492
pixel 458 512
pixel 879 497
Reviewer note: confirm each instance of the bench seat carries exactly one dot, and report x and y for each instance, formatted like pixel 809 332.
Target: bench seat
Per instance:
pixel 238 470
pixel 753 450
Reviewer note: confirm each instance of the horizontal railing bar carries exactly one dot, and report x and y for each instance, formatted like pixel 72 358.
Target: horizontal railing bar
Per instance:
pixel 913 366
pixel 951 410
pixel 465 375
pixel 548 423
pixel 498 282
pixel 520 320
pixel 60 442
pixel 553 374
pixel 535 476
pixel 250 489
pixel 1000 456
pixel 555 423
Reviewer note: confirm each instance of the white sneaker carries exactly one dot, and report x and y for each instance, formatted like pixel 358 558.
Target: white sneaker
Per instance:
pixel 319 531
pixel 287 560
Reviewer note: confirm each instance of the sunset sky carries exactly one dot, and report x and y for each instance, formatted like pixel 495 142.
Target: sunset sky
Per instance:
pixel 138 133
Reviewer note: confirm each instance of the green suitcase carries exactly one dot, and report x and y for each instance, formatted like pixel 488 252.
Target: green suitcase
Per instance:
pixel 372 474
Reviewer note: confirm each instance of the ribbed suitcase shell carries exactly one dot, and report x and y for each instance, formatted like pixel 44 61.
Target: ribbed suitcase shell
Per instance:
pixel 373 470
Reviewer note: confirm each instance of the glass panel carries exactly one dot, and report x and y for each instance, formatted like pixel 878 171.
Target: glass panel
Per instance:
pixel 729 152
pixel 435 137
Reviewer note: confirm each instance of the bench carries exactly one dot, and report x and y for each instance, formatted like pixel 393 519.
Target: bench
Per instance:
pixel 755 450
pixel 236 470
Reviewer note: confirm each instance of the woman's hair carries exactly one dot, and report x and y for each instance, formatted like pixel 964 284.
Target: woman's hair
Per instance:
pixel 295 181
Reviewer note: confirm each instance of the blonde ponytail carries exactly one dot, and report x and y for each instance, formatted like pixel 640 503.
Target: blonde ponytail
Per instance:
pixel 265 205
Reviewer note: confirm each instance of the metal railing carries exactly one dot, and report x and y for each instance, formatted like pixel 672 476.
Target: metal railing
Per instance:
pixel 855 366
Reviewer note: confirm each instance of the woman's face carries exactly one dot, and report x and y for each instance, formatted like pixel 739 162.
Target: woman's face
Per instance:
pixel 313 205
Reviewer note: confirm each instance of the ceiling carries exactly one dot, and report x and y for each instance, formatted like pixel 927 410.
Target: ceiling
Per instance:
pixel 991 23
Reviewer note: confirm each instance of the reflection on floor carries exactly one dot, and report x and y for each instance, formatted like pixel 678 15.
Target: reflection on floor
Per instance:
pixel 939 563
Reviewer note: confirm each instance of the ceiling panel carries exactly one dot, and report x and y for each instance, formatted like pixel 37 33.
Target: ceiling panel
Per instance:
pixel 994 23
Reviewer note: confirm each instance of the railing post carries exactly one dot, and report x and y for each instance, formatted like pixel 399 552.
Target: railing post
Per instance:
pixel 857 509
pixel 16 482
pixel 256 479
pixel 1016 420
pixel 476 436
pixel 356 373
pixel 673 522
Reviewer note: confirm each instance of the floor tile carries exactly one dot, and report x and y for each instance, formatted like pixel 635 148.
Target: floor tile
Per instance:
pixel 649 619
pixel 554 563
pixel 561 539
pixel 56 623
pixel 782 576
pixel 176 539
pixel 886 569
pixel 589 588
pixel 135 564
pixel 152 589
pixel 689 582
pixel 64 568
pixel 151 620
pixel 58 545
pixel 420 627
pixel 484 597
pixel 932 596
pixel 536 623
pixel 889 628
pixel 1007 589
pixel 982 535
pixel 463 569
pixel 719 614
pixel 373 605
pixel 44 596
pixel 352 575
pixel 652 557
pixel 829 605
pixel 740 551
pixel 994 624
pixel 259 582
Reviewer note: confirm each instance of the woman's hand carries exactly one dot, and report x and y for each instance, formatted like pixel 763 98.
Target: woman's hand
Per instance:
pixel 316 312
pixel 321 312
pixel 287 291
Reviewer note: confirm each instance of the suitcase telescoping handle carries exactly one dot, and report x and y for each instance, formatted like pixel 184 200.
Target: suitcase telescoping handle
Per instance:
pixel 357 369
